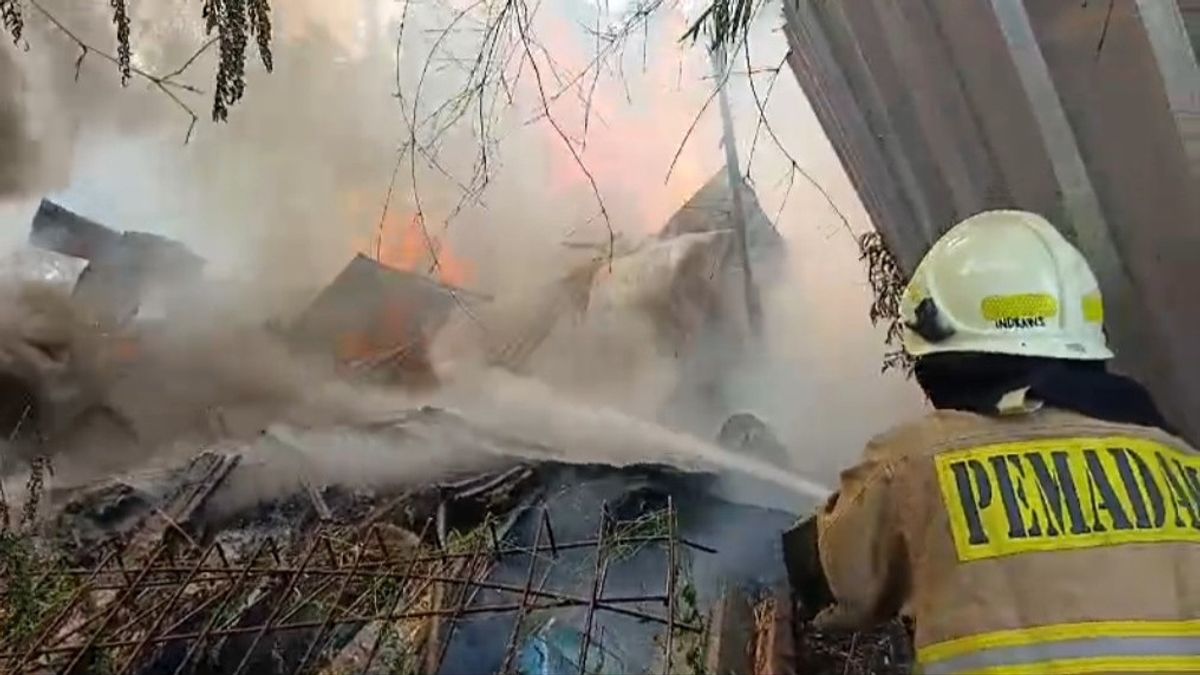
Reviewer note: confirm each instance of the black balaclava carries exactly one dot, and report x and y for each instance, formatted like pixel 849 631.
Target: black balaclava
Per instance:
pixel 975 382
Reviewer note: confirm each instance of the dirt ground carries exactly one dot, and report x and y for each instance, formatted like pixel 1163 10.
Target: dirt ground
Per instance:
pixel 887 650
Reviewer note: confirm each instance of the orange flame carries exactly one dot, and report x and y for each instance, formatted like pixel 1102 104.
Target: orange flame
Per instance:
pixel 354 346
pixel 628 149
pixel 401 243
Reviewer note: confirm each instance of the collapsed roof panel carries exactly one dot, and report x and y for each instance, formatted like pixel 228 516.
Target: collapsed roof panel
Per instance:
pixel 124 268
pixel 63 231
pixel 711 209
pixel 57 228
pixel 371 309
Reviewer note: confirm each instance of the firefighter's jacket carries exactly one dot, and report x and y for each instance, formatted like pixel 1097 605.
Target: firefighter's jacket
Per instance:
pixel 1046 542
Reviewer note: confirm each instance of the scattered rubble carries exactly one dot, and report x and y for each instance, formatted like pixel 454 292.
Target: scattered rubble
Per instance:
pixel 887 650
pixel 125 270
pixel 523 569
pixel 385 581
pixel 507 560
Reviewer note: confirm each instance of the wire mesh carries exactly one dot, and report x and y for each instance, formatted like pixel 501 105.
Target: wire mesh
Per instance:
pixel 348 594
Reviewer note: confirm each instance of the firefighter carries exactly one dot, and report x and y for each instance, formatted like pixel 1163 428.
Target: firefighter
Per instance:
pixel 1043 518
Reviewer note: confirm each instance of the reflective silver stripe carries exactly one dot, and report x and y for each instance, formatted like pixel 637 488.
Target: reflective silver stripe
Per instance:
pixel 1024 655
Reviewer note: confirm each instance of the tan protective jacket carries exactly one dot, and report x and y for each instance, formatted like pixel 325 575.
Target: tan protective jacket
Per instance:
pixel 1045 542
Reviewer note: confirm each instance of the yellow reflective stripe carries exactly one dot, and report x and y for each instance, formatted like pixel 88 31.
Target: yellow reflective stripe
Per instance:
pixel 1022 306
pixel 1093 308
pixel 1067 650
pixel 1058 632
pixel 1099 664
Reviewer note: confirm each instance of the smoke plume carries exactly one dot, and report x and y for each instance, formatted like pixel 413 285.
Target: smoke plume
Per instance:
pixel 283 195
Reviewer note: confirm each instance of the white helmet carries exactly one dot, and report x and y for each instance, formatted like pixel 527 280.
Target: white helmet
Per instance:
pixel 1004 282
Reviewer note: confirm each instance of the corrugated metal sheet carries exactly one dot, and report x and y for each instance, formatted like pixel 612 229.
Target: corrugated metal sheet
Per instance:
pixel 952 106
pixel 1191 19
pixel 866 145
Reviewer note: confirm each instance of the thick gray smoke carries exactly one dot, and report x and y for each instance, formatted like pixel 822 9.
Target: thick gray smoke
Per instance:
pixel 283 195
pixel 31 135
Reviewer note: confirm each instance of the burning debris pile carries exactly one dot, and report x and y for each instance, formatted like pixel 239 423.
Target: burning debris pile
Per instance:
pixel 513 565
pixel 469 550
pixel 528 569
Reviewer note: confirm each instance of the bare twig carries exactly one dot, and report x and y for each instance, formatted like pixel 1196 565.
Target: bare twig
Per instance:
pixel 762 115
pixel 688 134
pixel 787 192
pixel 164 83
pixel 508 48
pixel 414 148
pixel 435 264
pixel 192 59
pixel 523 25
pixel 587 106
pixel 850 655
pixel 615 40
pixel 766 100
pixel 387 204
pixel 724 78
pixel 440 120
pixel 12 437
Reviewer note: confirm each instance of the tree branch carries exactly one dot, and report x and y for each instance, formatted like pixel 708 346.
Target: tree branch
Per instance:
pixel 523 27
pixel 762 115
pixel 164 83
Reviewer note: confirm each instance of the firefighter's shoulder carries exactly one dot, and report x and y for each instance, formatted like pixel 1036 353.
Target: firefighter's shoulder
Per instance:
pixel 934 432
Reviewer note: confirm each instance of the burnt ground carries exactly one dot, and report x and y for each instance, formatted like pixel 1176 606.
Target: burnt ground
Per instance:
pixel 154 529
pixel 886 650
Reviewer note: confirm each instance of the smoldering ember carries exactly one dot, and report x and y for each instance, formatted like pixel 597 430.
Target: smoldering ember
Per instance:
pixel 427 531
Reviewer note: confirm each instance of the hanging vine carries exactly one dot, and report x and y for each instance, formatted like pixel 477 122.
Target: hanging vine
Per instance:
pixel 260 26
pixel 124 50
pixel 13 16
pixel 887 286
pixel 39 468
pixel 234 21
